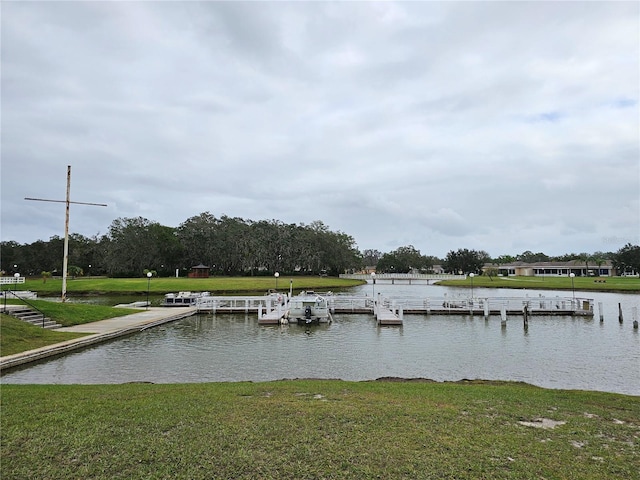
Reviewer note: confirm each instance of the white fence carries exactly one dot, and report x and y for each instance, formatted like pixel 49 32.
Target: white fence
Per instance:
pixel 402 276
pixel 238 303
pixel 11 280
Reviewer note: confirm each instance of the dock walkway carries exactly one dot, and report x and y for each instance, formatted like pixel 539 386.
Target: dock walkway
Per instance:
pixel 278 315
pixel 386 316
pixel 453 305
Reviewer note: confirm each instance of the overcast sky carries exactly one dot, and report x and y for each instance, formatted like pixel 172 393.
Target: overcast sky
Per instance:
pixel 493 126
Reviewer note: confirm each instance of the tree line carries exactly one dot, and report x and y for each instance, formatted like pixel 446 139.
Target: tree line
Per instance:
pixel 229 246
pixel 463 260
pixel 235 246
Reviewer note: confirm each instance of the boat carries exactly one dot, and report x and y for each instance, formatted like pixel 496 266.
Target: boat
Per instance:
pixel 309 307
pixel 183 299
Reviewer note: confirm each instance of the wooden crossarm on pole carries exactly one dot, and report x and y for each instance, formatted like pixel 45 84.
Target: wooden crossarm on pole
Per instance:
pixel 66 227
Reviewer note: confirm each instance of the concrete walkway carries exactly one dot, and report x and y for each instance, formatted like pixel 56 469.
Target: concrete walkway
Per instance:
pixel 100 331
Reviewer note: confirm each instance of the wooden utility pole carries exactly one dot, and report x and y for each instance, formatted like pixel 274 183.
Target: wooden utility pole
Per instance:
pixel 65 261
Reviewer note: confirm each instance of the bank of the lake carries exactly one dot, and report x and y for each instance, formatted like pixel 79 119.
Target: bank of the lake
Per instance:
pixel 17 336
pixel 317 429
pixel 589 284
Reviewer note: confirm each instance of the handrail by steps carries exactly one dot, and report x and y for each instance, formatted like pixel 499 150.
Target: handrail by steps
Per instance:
pixel 24 301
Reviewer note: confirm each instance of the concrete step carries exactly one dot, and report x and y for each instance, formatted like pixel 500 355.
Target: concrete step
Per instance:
pixel 33 317
pixel 38 322
pixel 51 325
pixel 26 316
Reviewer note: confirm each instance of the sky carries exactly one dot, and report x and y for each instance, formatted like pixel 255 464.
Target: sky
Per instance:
pixel 495 126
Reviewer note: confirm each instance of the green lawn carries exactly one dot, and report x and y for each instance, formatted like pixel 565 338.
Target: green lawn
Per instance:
pixel 17 336
pixel 68 314
pixel 619 284
pixel 317 429
pixel 157 285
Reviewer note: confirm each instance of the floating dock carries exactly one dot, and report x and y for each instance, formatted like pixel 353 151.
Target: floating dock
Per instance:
pixel 386 316
pixel 276 316
pixel 274 309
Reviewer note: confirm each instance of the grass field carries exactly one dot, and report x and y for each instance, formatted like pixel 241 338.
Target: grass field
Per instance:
pixel 222 285
pixel 138 286
pixel 317 429
pixel 17 336
pixel 68 314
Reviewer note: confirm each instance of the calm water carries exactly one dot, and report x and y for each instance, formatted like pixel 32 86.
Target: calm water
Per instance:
pixel 554 352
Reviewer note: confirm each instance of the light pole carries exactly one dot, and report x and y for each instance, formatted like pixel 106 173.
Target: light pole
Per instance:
pixel 15 289
pixel 276 275
pixel 573 288
pixel 149 275
pixel 471 275
pixel 373 285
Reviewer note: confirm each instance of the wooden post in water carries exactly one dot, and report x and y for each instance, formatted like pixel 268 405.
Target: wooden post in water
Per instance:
pixel 525 315
pixel 601 312
pixel 634 315
pixel 503 315
pixel 620 316
pixel 486 309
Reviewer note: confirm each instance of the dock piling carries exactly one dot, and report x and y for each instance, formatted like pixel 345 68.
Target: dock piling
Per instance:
pixel 620 316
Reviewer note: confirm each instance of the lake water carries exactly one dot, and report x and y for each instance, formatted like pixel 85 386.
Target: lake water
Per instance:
pixel 554 352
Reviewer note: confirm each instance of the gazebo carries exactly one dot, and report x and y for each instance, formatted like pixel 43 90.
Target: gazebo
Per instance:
pixel 199 271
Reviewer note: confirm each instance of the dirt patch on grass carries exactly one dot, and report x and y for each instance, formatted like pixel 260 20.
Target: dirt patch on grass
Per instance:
pixel 545 423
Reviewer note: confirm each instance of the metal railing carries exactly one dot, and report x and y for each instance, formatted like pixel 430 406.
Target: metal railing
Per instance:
pixel 403 276
pixel 446 304
pixel 23 300
pixel 236 303
pixel 453 304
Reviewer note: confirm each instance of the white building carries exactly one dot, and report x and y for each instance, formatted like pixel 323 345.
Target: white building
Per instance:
pixel 554 269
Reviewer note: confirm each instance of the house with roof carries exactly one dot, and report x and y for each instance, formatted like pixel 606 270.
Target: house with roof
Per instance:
pixel 580 268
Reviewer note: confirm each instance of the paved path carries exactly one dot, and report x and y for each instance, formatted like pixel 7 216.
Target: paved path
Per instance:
pixel 151 317
pixel 101 331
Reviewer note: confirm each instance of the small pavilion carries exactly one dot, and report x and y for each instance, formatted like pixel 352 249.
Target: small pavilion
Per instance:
pixel 199 271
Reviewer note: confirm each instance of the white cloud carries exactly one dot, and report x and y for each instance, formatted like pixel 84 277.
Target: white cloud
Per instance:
pixel 496 126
